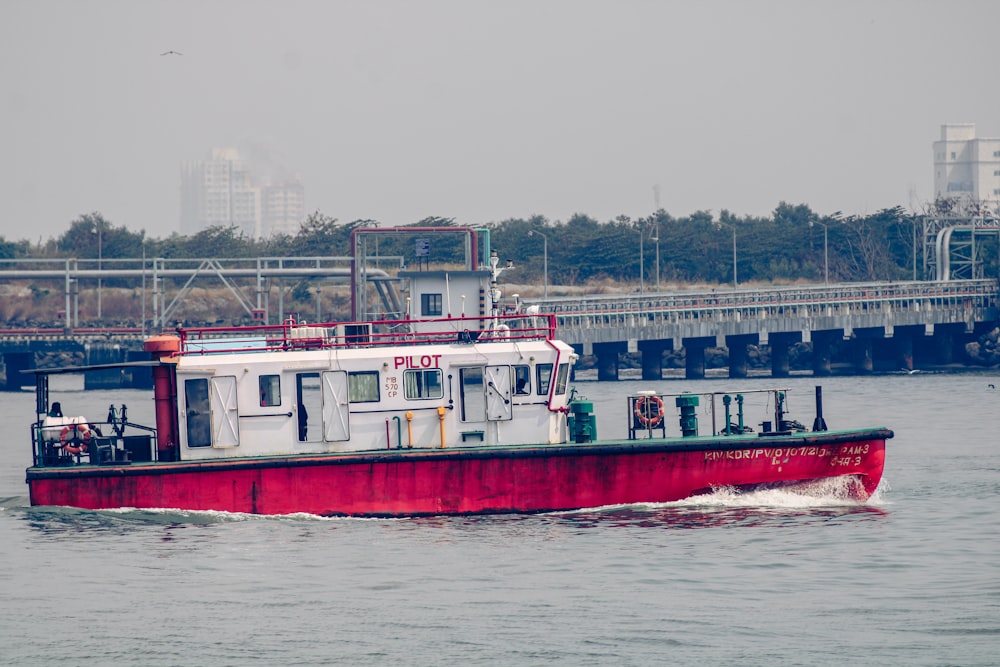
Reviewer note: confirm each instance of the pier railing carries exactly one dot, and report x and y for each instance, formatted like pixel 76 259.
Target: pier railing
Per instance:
pixel 758 303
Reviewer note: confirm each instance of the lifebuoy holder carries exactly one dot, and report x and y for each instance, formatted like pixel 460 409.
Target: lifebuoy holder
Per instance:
pixel 649 411
pixel 73 434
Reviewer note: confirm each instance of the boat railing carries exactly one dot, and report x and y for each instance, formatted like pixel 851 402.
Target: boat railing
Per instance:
pixel 65 441
pixel 732 412
pixel 292 335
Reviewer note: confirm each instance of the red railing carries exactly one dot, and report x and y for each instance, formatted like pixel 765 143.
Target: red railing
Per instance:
pixel 74 331
pixel 381 333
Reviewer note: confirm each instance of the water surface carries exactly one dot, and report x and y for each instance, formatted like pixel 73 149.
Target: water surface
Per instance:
pixel 910 578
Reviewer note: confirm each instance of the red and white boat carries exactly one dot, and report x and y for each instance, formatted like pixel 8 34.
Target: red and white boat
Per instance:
pixel 451 415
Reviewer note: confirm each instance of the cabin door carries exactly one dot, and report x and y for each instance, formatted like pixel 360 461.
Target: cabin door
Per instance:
pixel 197 412
pixel 225 412
pixel 336 407
pixel 498 393
pixel 473 397
pixel 309 403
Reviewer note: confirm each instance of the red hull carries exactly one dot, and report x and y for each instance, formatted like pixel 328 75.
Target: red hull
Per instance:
pixel 486 480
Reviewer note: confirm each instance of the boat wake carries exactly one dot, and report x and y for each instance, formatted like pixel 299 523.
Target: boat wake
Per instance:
pixel 13 502
pixel 836 492
pixel 727 506
pixel 825 493
pixel 169 515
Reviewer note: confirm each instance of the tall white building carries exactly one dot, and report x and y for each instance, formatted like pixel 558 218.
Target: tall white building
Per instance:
pixel 219 191
pixel 283 207
pixel 223 191
pixel 967 168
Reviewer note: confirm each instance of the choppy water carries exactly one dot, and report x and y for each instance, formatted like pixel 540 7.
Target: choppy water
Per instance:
pixel 911 578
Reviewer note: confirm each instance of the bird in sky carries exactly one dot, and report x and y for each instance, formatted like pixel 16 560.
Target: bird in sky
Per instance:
pixel 171 53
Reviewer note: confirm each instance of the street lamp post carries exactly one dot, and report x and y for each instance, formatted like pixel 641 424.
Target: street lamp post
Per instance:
pixel 545 260
pixel 735 281
pixel 826 251
pixel 657 239
pixel 642 272
pixel 100 251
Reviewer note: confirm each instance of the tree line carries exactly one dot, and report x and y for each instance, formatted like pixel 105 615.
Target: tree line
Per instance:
pixel 794 243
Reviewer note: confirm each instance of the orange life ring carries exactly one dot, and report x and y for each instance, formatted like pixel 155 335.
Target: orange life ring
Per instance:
pixel 649 411
pixel 80 433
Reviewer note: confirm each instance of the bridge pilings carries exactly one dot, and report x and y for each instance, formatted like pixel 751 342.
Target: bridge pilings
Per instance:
pixel 738 347
pixel 23 355
pixel 780 344
pixel 652 357
pixel 607 359
pixel 138 377
pixel 863 355
pixel 944 347
pixel 99 353
pixel 904 350
pixel 694 357
pixel 876 326
pixel 823 344
pixel 15 364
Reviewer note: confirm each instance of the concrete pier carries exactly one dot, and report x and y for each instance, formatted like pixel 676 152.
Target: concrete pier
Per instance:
pixel 863 359
pixel 780 345
pixel 694 357
pixel 607 359
pixel 823 342
pixel 652 358
pixel 15 363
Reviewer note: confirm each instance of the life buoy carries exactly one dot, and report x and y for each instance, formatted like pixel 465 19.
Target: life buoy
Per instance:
pixel 649 411
pixel 80 433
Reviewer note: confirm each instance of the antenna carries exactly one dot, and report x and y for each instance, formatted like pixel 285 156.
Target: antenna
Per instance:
pixel 656 198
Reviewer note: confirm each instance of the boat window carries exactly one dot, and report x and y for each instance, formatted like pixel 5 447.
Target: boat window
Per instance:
pixel 423 383
pixel 198 412
pixel 543 373
pixel 562 379
pixel 362 387
pixel 270 390
pixel 430 305
pixel 522 380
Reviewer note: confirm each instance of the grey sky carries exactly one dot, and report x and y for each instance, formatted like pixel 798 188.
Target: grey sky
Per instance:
pixel 483 111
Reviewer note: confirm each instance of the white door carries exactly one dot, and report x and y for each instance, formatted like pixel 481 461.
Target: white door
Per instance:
pixel 225 412
pixel 498 393
pixel 336 407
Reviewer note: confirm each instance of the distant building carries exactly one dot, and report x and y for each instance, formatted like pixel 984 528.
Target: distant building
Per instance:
pixel 966 168
pixel 223 191
pixel 219 191
pixel 283 207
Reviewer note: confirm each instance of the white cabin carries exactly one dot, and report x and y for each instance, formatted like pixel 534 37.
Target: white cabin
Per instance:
pixel 508 386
